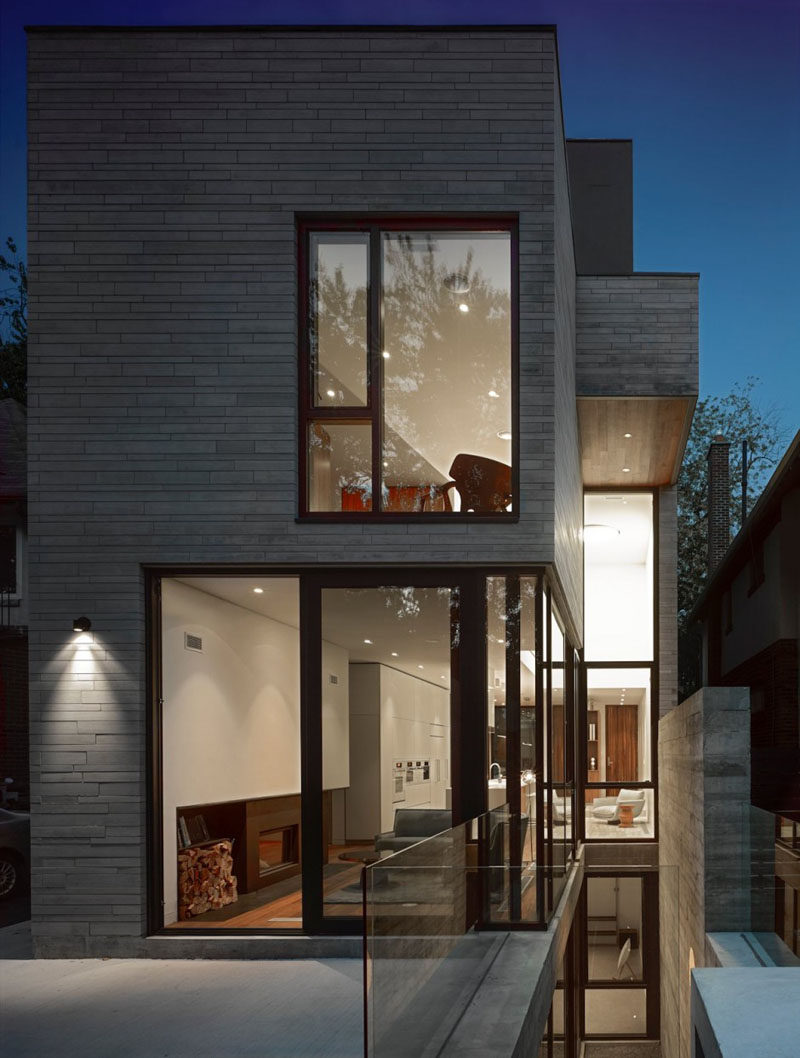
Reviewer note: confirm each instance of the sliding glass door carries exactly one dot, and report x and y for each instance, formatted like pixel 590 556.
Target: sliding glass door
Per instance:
pixel 381 650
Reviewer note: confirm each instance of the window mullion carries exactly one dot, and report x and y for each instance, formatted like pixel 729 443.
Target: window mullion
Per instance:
pixel 375 383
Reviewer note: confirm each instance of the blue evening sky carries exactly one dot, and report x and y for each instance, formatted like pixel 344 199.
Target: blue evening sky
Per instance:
pixel 709 90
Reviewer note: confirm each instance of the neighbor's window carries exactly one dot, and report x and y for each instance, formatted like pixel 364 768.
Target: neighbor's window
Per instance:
pixel 407 351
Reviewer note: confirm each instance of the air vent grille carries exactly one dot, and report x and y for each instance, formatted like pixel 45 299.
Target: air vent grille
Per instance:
pixel 191 642
pixel 332 678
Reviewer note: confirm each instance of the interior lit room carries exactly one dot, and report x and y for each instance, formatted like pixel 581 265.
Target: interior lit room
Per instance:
pixel 231 742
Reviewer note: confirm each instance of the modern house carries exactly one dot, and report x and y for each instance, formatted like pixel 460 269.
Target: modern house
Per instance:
pixel 353 440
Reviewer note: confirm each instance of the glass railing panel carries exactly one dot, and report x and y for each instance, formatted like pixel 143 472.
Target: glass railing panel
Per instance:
pixel 436 914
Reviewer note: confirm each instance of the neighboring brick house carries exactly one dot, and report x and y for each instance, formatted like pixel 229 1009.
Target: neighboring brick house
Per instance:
pixel 323 320
pixel 750 615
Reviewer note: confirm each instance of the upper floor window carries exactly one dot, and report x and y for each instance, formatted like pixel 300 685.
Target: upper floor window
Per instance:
pixel 407 373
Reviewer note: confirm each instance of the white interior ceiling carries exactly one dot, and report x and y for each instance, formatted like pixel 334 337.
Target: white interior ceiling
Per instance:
pixel 413 623
pixel 618 526
pixel 605 686
pixel 279 597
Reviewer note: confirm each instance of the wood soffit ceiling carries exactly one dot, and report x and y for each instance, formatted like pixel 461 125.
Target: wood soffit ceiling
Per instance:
pixel 658 427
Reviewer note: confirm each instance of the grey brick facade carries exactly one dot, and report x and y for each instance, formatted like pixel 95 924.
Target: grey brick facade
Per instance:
pixel 637 335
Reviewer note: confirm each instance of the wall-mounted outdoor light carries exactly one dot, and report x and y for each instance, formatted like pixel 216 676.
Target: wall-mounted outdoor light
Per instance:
pixel 81 624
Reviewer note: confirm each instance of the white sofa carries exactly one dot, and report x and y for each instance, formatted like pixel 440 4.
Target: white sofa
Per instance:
pixel 606 809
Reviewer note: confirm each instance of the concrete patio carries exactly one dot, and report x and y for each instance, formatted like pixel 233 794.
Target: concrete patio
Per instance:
pixel 131 1008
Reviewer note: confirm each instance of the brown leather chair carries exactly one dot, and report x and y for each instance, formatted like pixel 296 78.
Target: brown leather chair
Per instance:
pixel 484 485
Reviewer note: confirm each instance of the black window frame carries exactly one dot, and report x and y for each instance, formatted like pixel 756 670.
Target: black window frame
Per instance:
pixel 653 666
pixel 372 411
pixel 649 942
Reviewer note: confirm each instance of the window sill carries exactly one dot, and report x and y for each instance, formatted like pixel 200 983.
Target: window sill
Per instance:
pixel 440 517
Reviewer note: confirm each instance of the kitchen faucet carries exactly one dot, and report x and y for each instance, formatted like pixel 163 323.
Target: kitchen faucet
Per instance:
pixel 492 766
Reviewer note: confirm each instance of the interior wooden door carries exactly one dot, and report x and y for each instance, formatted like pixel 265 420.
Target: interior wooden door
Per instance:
pixel 622 745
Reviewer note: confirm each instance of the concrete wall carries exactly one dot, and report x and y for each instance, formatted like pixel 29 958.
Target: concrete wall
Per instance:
pixel 637 335
pixel 704 851
pixel 166 172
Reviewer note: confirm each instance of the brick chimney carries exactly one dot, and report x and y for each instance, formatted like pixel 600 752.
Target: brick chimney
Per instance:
pixel 719 513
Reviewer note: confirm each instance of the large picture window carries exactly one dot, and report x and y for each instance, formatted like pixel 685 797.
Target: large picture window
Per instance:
pixel 620 671
pixel 407 374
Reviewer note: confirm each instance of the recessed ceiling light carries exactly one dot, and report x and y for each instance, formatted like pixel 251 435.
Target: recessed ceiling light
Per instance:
pixel 463 307
pixel 627 435
pixel 493 393
pixel 386 462
pixel 394 654
pixel 368 642
pixel 386 354
pixel 331 393
pixel 258 591
pixel 457 282
pixel 420 666
pixel 442 677
pixel 626 470
pixel 504 435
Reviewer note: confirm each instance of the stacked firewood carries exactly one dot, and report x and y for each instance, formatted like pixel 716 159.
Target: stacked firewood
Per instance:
pixel 205 878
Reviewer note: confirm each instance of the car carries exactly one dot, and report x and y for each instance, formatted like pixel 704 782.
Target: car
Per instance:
pixel 15 843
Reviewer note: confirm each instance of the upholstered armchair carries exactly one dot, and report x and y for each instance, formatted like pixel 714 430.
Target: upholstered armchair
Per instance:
pixel 607 808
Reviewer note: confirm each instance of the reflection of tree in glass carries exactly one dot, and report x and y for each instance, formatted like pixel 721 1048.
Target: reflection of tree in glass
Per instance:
pixel 338 334
pixel 432 342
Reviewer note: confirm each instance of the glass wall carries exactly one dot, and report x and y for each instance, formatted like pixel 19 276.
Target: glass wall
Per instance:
pixel 558 727
pixel 621 955
pixel 618 742
pixel 409 403
pixel 386 777
pixel 619 549
pixel 230 730
pixel 337 333
pixel 379 755
pixel 530 695
pixel 339 466
pixel 446 354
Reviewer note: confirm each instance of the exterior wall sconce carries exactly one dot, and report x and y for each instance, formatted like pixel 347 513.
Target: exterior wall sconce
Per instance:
pixel 81 624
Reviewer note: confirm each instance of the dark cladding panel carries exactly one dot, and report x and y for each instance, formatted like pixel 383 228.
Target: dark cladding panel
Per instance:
pixel 601 186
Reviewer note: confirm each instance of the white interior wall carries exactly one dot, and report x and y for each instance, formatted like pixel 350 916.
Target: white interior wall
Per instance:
pixel 393 716
pixel 618 619
pixel 620 898
pixel 231 714
pixel 335 717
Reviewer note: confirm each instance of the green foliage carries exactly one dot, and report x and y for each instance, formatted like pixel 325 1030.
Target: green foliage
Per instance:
pixel 737 417
pixel 13 324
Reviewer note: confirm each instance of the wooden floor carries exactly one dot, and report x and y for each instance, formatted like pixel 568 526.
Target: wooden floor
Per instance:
pixel 286 912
